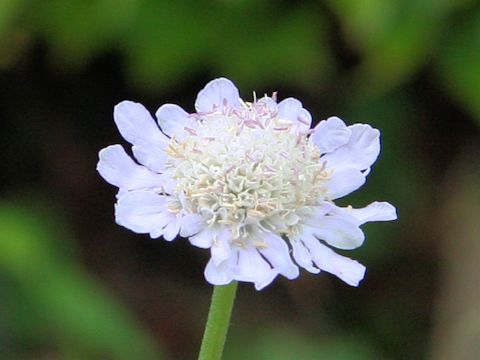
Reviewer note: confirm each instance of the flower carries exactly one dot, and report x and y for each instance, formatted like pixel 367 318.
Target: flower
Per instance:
pixel 249 181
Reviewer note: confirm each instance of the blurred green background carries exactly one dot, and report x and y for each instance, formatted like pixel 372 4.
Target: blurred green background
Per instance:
pixel 73 285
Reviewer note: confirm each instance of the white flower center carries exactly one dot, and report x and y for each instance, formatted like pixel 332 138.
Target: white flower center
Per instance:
pixel 244 168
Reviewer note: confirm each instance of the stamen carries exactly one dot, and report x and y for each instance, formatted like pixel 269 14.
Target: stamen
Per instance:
pixel 249 157
pixel 230 168
pixel 190 131
pixel 303 121
pixel 250 123
pixel 252 170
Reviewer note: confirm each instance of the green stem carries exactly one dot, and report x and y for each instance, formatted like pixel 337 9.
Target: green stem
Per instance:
pixel 218 321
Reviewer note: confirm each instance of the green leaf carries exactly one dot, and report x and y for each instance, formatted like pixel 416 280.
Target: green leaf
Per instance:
pixel 459 62
pixel 395 39
pixel 67 307
pixel 284 343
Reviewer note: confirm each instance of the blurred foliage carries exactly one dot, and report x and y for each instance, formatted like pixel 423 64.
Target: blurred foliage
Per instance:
pixel 257 42
pixel 396 38
pixel 46 294
pixel 459 64
pixel 285 343
pixel 166 40
pixel 457 322
pixel 408 67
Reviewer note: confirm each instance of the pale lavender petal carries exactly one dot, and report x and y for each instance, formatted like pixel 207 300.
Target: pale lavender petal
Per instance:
pixel 269 103
pixel 221 249
pixel 330 134
pixel 291 110
pixel 144 212
pixel 350 271
pixel 360 152
pixel 278 255
pixel 302 255
pixel 215 94
pixel 173 120
pixel 376 211
pixel 202 239
pixel 117 168
pixel 344 181
pixel 138 127
pixel 220 274
pixel 313 214
pixel 191 224
pixel 338 231
pixel 172 229
pixel 253 268
pixel 153 158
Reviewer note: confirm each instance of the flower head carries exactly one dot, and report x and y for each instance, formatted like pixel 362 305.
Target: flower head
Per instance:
pixel 248 180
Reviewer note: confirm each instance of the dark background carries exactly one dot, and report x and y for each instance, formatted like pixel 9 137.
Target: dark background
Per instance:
pixel 74 285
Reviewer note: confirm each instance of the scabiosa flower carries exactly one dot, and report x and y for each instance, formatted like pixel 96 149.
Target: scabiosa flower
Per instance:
pixel 249 181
